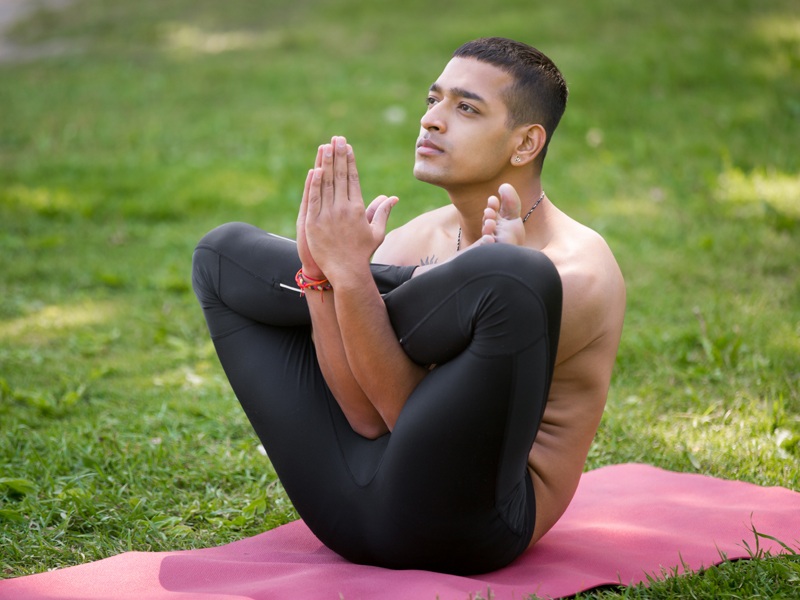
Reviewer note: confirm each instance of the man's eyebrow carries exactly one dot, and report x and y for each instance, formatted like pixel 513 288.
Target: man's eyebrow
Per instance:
pixel 459 92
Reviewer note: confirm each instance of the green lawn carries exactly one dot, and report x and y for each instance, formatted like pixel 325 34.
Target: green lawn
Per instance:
pixel 161 119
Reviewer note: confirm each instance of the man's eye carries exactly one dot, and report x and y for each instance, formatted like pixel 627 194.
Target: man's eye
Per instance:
pixel 466 108
pixel 430 101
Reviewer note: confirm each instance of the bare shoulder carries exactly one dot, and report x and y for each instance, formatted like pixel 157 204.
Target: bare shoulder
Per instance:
pixel 423 240
pixel 594 289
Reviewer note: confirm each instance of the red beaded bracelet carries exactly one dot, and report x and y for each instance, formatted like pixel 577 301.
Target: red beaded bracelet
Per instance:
pixel 306 283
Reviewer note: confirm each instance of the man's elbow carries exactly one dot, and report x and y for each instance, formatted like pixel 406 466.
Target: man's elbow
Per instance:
pixel 369 429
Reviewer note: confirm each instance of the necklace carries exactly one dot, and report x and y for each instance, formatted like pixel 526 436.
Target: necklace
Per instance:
pixel 525 218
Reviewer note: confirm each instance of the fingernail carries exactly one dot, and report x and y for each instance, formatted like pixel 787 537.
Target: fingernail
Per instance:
pixel 340 143
pixel 328 150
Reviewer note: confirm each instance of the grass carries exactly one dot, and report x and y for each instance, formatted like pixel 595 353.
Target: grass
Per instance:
pixel 162 119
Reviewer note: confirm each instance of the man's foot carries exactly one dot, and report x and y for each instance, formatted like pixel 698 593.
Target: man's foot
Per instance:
pixel 502 222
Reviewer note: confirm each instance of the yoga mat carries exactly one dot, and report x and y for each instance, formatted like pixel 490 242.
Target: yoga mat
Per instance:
pixel 625 523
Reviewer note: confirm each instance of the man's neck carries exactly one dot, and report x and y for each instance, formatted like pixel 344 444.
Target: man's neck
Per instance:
pixel 470 203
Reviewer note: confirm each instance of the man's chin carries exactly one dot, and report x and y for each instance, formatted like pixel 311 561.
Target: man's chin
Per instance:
pixel 427 176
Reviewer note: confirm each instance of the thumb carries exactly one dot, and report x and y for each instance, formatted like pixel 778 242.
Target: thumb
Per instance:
pixel 373 207
pixel 301 214
pixel 381 213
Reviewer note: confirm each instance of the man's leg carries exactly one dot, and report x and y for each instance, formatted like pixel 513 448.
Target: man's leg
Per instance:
pixel 453 492
pixel 261 333
pixel 448 489
pixel 243 278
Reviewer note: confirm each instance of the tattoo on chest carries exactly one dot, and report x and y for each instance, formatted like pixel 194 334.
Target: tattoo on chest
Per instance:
pixel 428 260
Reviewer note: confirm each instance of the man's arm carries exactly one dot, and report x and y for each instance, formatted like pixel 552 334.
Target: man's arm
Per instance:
pixel 378 362
pixel 359 346
pixel 359 411
pixel 361 414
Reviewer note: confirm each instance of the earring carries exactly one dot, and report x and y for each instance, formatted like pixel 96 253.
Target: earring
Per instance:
pixel 518 159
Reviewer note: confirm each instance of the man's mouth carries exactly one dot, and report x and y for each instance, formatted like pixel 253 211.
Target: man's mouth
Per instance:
pixel 427 147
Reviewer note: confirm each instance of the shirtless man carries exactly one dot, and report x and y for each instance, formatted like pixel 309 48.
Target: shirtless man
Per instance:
pixel 443 412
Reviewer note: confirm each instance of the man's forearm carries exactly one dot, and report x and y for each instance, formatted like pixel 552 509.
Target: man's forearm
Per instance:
pixel 358 349
pixel 356 406
pixel 377 361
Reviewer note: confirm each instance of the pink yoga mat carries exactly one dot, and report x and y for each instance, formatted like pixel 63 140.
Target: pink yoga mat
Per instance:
pixel 625 523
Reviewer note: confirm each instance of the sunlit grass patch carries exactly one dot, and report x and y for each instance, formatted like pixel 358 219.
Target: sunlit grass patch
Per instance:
pixel 783 35
pixel 185 39
pixel 47 323
pixel 44 201
pixel 761 192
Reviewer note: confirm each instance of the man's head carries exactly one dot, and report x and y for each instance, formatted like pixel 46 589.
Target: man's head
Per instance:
pixel 539 92
pixel 489 117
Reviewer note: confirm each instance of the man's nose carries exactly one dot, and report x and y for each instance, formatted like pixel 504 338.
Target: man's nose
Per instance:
pixel 433 119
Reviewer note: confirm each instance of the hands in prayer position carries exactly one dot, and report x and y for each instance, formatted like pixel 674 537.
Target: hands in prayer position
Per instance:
pixel 334 229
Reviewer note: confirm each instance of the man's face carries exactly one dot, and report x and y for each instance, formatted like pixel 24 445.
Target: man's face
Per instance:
pixel 464 139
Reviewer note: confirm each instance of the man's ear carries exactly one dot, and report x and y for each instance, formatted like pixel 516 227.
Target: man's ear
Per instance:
pixel 532 141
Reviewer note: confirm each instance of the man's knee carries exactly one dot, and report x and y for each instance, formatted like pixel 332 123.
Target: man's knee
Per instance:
pixel 516 281
pixel 205 275
pixel 205 260
pixel 516 262
pixel 223 236
pixel 218 242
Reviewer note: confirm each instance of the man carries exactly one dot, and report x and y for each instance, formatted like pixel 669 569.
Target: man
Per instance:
pixel 430 400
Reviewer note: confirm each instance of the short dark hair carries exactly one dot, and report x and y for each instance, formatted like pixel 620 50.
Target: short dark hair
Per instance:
pixel 539 92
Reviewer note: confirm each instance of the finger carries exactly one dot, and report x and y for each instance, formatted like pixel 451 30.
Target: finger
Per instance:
pixel 318 160
pixel 340 166
pixel 314 193
pixel 353 183
pixel 307 186
pixel 326 174
pixel 373 206
pixel 382 212
pixel 306 190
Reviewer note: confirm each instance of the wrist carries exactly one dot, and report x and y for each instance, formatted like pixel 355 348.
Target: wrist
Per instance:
pixel 348 272
pixel 306 283
pixel 313 272
pixel 348 281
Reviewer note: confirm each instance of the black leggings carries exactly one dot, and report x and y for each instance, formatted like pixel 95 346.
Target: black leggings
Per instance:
pixel 448 489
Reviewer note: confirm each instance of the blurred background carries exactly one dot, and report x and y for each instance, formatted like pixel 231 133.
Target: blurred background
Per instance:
pixel 130 128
